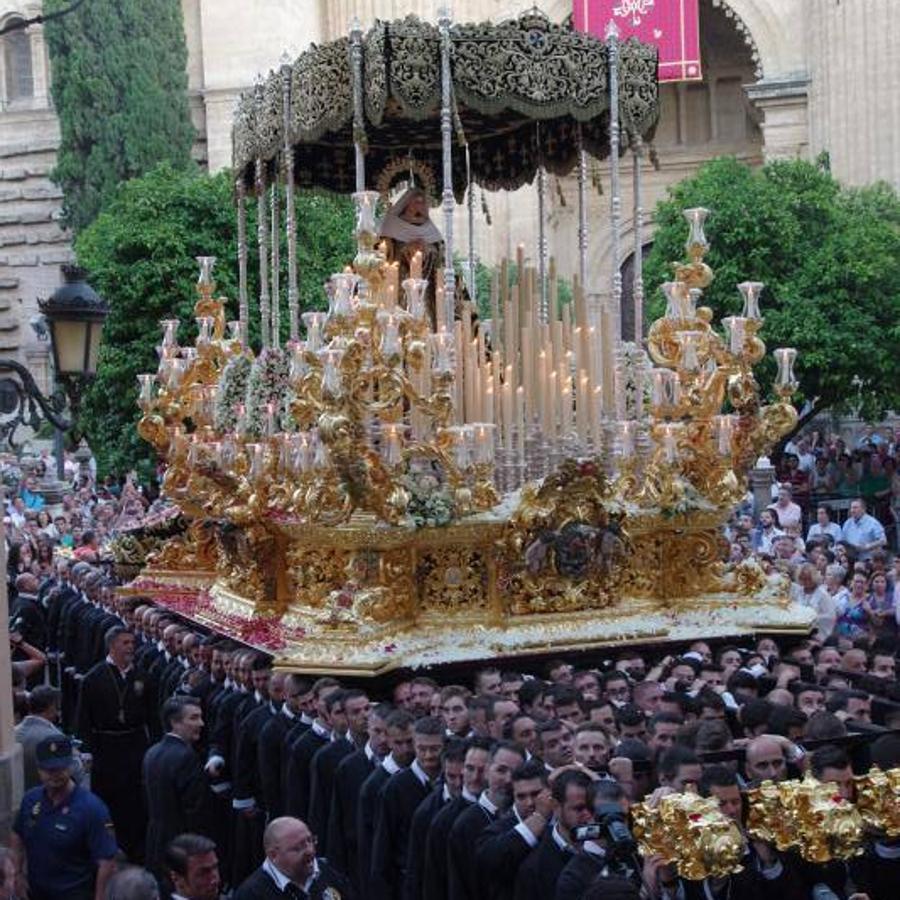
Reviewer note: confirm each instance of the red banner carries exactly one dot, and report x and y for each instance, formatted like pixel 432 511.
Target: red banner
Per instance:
pixel 672 25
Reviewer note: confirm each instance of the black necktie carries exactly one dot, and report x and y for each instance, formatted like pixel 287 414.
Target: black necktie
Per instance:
pixel 293 892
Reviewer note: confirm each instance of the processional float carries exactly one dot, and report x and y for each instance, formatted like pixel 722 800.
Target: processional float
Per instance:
pixel 405 483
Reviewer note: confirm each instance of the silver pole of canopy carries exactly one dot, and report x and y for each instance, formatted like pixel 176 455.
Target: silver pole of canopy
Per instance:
pixel 612 43
pixel 359 127
pixel 262 236
pixel 290 205
pixel 243 301
pixel 582 212
pixel 448 203
pixel 276 264
pixel 638 287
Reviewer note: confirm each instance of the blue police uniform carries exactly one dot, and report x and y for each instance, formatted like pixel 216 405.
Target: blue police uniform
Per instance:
pixel 64 844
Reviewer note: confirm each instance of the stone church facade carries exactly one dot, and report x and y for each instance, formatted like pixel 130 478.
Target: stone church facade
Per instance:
pixel 782 78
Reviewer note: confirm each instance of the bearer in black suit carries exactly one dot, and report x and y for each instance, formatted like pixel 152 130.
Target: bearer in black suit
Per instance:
pixel 178 795
pixel 464 881
pixel 434 867
pixel 400 740
pixel 340 845
pixel 399 799
pixel 573 805
pixel 249 810
pixel 505 844
pixel 348 735
pixel 291 868
pixel 271 739
pixel 449 787
pixel 298 774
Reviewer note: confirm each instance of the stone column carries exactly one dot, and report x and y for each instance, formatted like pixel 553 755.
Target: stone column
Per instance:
pixel 782 104
pixel 761 480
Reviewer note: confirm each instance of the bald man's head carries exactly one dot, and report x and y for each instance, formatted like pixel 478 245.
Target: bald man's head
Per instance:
pixel 765 760
pixel 291 848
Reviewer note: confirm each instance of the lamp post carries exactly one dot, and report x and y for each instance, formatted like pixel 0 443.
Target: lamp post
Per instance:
pixel 74 315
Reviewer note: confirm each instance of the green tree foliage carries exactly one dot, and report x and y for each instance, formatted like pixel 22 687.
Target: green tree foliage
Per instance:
pixel 140 255
pixel 830 259
pixel 120 90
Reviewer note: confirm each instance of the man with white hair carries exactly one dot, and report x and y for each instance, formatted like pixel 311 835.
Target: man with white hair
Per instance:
pixel 292 869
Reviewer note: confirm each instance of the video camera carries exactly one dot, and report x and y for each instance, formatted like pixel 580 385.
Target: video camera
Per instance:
pixel 611 827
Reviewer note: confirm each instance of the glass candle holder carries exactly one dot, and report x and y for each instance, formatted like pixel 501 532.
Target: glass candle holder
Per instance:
pixel 483 443
pixel 391 444
pixel 785 357
pixel 750 291
pixel 696 244
pixel 256 458
pixel 390 335
pixel 234 330
pixel 170 333
pixel 343 284
pixel 670 442
pixel 177 369
pixel 331 376
pixel 624 446
pixel 207 264
pixel 204 330
pixel 299 366
pixel 724 432
pixel 664 387
pixel 366 202
pixel 736 327
pixel 672 291
pixel 415 289
pixel 442 352
pixel 690 350
pixel 314 323
pixel 145 397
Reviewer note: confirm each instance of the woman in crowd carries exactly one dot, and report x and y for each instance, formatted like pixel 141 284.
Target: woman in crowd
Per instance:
pixel 881 602
pixel 853 617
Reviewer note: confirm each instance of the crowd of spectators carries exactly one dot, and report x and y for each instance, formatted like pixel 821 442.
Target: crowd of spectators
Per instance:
pixel 198 770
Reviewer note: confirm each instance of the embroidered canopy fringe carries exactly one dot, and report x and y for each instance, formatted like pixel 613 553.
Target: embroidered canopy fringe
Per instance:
pixel 506 77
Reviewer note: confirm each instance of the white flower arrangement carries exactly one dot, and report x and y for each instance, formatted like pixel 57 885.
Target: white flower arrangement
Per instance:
pixel 267 384
pixel 230 393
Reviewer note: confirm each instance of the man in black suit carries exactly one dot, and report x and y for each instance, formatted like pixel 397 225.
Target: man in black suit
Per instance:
pixel 249 810
pixel 298 773
pixel 26 615
pixel 464 881
pixel 353 770
pixel 400 740
pixel 434 867
pixel 398 801
pixel 505 844
pixel 271 739
pixel 446 791
pixel 113 711
pixel 178 796
pixel 573 806
pixel 349 734
pixel 291 868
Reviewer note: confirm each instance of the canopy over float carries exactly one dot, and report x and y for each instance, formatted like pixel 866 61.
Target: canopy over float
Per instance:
pixel 406 485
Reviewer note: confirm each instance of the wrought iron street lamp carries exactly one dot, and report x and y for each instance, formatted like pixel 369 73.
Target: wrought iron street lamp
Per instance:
pixel 74 315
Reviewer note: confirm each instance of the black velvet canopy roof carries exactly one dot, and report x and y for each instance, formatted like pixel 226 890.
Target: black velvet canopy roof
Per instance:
pixel 521 89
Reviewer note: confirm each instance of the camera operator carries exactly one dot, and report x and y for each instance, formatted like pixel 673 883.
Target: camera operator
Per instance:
pixel 573 806
pixel 605 848
pixel 505 844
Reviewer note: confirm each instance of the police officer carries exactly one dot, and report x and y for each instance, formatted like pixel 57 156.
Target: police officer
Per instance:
pixel 63 840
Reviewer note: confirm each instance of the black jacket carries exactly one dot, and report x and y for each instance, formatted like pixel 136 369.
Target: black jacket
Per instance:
pixel 178 796
pixel 260 886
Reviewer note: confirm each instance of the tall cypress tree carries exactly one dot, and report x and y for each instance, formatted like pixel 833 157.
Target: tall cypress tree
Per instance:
pixel 120 89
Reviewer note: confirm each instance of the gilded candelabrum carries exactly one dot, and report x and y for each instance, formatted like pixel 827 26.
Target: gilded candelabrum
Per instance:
pixel 345 484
